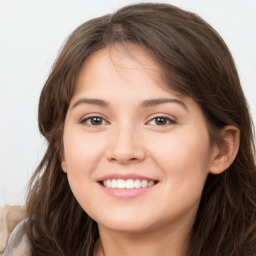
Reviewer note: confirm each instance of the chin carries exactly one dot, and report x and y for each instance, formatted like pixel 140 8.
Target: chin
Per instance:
pixel 127 227
pixel 125 222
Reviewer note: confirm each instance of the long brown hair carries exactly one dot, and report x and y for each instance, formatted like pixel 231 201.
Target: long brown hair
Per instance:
pixel 195 62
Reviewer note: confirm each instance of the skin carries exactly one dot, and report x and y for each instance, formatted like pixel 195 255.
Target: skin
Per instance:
pixel 128 139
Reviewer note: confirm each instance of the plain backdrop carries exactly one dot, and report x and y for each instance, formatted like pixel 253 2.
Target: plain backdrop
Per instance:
pixel 31 34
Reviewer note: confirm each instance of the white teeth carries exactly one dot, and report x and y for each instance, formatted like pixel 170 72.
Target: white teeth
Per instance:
pixel 109 183
pixel 113 183
pixel 151 183
pixel 144 184
pixel 137 184
pixel 120 183
pixel 128 184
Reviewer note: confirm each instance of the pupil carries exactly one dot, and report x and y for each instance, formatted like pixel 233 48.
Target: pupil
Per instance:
pixel 96 120
pixel 161 120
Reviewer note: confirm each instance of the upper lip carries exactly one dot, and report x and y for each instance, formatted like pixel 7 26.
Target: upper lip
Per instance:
pixel 125 176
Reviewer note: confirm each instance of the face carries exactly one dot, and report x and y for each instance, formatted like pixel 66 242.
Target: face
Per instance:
pixel 136 154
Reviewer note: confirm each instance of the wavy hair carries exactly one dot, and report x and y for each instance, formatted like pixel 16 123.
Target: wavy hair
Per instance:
pixel 195 62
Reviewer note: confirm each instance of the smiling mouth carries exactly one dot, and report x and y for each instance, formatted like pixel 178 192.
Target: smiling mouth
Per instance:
pixel 128 183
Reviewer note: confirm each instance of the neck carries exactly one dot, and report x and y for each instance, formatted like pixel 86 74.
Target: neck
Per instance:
pixel 154 243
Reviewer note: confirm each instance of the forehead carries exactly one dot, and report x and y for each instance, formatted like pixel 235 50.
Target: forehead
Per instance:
pixel 129 63
pixel 125 56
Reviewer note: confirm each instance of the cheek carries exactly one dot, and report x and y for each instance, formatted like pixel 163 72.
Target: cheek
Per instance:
pixel 186 148
pixel 82 152
pixel 184 159
pixel 82 156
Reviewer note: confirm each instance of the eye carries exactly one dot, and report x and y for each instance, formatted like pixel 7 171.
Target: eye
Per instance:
pixel 161 120
pixel 94 121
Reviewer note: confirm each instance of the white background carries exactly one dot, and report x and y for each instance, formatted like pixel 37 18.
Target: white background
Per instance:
pixel 31 33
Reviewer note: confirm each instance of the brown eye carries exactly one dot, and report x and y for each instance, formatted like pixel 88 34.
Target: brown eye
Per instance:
pixel 161 120
pixel 96 121
pixel 93 121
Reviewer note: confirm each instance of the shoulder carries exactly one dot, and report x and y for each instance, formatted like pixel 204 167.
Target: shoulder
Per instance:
pixel 13 237
pixel 18 243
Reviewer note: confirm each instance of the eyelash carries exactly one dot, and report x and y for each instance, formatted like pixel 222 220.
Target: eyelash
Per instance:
pixel 166 120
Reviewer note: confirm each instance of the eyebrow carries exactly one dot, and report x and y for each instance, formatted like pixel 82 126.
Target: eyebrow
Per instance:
pixel 145 103
pixel 96 102
pixel 154 102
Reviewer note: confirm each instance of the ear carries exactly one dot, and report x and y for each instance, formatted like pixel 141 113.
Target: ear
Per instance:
pixel 225 153
pixel 63 162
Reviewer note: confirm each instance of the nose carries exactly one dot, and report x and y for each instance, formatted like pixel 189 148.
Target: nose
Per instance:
pixel 126 146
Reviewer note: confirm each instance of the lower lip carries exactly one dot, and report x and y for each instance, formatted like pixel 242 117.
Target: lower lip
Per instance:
pixel 126 193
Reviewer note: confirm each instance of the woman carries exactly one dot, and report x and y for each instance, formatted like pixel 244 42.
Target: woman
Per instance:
pixel 150 142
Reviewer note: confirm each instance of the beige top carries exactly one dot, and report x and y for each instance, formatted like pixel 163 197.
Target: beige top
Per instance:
pixel 13 238
pixel 18 243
